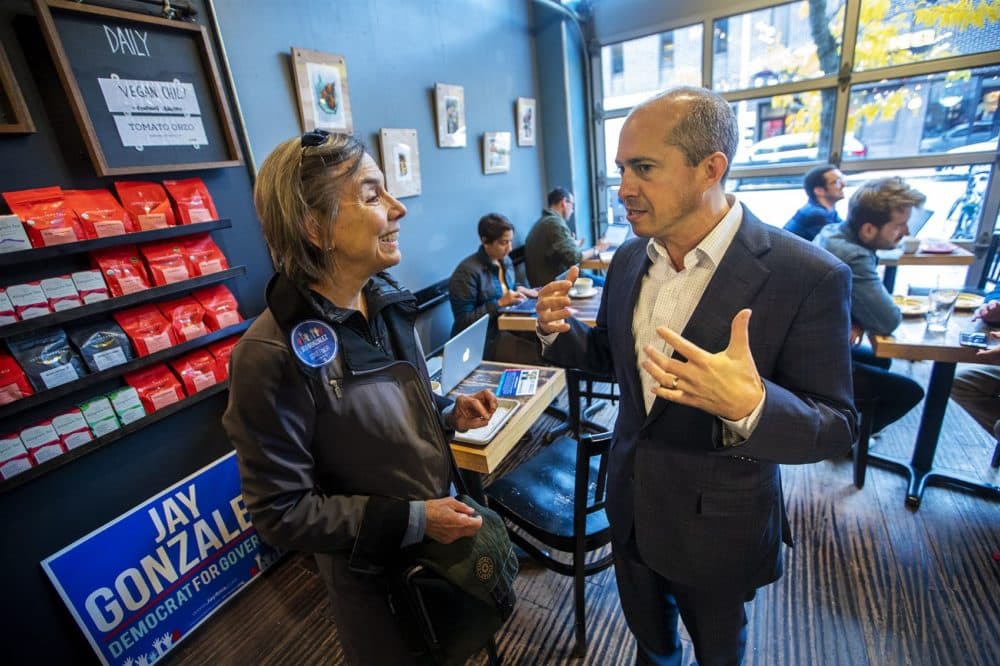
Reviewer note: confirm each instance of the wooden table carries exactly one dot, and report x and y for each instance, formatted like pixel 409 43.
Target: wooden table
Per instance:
pixel 586 312
pixel 893 258
pixel 598 263
pixel 911 342
pixel 485 459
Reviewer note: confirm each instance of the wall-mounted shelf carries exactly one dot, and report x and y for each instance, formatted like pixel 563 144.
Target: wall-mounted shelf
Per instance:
pixel 100 442
pixel 84 387
pixel 80 247
pixel 87 381
pixel 155 293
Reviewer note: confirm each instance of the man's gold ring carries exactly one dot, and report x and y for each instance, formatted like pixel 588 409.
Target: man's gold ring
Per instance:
pixel 674 385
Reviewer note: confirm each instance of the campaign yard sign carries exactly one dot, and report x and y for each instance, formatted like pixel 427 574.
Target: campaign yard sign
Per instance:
pixel 140 584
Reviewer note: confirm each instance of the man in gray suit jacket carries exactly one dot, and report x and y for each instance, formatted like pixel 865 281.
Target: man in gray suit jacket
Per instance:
pixel 707 414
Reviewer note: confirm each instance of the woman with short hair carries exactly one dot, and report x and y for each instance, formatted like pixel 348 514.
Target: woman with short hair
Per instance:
pixel 483 283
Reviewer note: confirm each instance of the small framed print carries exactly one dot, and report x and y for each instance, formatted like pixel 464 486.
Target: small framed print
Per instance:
pixel 323 96
pixel 14 117
pixel 450 105
pixel 400 161
pixel 496 152
pixel 525 121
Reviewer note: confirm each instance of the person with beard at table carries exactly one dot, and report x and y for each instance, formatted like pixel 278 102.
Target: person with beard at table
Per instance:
pixel 877 218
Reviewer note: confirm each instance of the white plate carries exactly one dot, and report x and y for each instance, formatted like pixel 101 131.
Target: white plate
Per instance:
pixel 967 301
pixel 574 293
pixel 911 306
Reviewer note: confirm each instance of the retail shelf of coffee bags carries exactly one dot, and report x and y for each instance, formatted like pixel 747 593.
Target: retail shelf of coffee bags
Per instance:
pixel 119 302
pixel 104 440
pixel 89 380
pixel 80 247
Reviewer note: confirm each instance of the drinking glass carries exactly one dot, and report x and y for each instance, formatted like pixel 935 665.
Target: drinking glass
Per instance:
pixel 941 302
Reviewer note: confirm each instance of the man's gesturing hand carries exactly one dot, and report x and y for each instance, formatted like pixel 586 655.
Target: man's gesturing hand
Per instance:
pixel 725 384
pixel 553 303
pixel 449 520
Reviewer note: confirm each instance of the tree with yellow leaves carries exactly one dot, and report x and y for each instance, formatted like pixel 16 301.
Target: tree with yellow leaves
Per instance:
pixel 884 39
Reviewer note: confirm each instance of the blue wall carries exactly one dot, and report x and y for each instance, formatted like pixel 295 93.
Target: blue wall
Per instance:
pixel 396 50
pixel 561 78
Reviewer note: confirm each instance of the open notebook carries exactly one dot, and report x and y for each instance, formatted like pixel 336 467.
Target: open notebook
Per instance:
pixel 484 435
pixel 463 354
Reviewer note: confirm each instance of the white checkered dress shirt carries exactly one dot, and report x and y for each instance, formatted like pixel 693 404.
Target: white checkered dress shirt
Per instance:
pixel 668 297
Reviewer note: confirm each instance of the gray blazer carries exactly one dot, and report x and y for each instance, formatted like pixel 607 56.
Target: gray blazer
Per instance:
pixel 703 515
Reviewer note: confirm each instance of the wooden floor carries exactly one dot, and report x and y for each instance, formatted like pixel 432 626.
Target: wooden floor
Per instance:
pixel 868 582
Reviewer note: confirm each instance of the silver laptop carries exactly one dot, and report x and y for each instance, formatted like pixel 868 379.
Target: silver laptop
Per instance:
pixel 463 354
pixel 616 234
pixel 918 218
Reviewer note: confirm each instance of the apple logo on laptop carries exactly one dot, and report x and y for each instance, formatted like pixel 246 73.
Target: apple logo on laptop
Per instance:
pixel 466 355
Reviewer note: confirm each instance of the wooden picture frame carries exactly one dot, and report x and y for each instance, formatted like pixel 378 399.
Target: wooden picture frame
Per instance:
pixel 145 91
pixel 14 116
pixel 496 152
pixel 449 102
pixel 527 121
pixel 400 161
pixel 322 91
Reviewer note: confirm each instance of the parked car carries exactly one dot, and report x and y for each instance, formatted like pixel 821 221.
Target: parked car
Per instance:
pixel 959 135
pixel 798 147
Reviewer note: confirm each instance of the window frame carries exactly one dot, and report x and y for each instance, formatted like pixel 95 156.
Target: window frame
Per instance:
pixel 841 83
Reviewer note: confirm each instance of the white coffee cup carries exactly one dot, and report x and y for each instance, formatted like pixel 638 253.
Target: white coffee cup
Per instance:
pixel 436 387
pixel 910 244
pixel 583 285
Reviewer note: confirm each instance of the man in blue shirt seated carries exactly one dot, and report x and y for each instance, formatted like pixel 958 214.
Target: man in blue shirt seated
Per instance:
pixel 876 220
pixel 824 185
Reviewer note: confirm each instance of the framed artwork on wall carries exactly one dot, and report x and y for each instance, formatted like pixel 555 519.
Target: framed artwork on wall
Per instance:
pixel 145 91
pixel 323 96
pixel 400 162
pixel 496 152
pixel 526 118
pixel 14 117
pixel 450 105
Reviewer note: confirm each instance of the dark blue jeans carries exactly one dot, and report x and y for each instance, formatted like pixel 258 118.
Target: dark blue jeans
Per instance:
pixel 895 394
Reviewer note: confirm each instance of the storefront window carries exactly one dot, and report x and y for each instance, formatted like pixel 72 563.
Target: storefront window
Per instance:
pixel 777 45
pixel 785 129
pixel 947 112
pixel 634 70
pixel 612 128
pixel 901 32
pixel 955 197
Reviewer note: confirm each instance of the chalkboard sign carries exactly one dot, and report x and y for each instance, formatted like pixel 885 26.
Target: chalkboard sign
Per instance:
pixel 145 91
pixel 13 111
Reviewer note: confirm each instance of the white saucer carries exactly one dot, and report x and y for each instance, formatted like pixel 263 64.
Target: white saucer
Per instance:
pixel 574 293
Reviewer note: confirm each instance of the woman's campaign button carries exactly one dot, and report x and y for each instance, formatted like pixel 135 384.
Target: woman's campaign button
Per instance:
pixel 314 342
